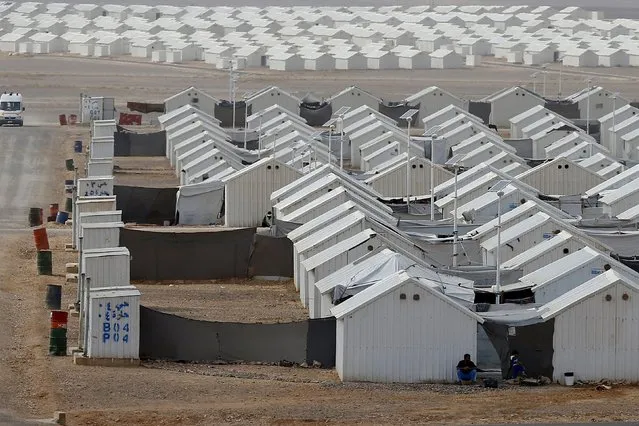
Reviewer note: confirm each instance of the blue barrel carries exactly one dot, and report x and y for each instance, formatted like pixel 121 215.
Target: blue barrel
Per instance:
pixel 77 146
pixel 53 298
pixel 62 217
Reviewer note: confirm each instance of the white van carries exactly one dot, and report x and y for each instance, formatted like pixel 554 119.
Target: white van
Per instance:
pixel 11 109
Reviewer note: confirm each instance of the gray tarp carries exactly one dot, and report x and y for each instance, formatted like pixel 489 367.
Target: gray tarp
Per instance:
pixel 145 205
pixel 200 203
pixel 177 254
pixel 395 110
pixel 224 113
pixel 480 109
pixel 316 113
pixel 170 337
pixel 271 257
pixel 533 342
pixel 130 144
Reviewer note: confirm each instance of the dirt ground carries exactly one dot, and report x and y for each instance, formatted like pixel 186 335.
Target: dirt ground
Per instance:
pixel 238 301
pixel 34 385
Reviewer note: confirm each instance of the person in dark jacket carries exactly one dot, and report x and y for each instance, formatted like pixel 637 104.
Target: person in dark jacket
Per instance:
pixel 466 370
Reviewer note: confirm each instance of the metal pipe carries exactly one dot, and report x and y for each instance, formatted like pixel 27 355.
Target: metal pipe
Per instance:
pixel 613 143
pixel 432 178
pixel 455 221
pixel 498 254
pixel 408 166
pixel 330 142
pixel 588 108
pixel 245 121
pixel 81 279
pixel 259 140
pixel 87 316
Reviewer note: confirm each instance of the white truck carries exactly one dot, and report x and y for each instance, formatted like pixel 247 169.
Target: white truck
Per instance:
pixel 11 109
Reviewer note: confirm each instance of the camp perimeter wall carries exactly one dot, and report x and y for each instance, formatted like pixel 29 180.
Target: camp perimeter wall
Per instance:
pixel 169 337
pixel 146 205
pixel 131 144
pixel 178 254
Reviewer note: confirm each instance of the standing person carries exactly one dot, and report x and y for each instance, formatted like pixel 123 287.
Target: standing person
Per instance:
pixel 466 370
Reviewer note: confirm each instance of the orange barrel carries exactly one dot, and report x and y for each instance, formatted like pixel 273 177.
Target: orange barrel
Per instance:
pixel 59 319
pixel 53 209
pixel 41 239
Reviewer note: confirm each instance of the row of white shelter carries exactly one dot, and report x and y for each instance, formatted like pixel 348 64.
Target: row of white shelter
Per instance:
pixel 107 304
pixel 314 38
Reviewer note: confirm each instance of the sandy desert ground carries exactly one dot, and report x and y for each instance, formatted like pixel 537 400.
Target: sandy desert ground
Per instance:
pixel 35 385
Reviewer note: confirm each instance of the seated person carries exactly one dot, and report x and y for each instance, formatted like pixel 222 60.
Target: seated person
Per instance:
pixel 466 370
pixel 516 368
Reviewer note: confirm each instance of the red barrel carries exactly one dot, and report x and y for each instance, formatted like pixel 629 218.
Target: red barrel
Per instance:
pixel 41 239
pixel 53 209
pixel 59 319
pixel 63 119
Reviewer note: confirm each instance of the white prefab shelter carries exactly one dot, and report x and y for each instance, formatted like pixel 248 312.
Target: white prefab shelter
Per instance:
pixel 286 62
pixel 114 323
pixel 411 59
pixel 392 332
pixel 354 97
pixel 563 275
pixel 561 177
pixel 446 59
pixel 595 329
pixel 510 102
pixel 391 182
pixel 431 100
pixel 247 195
pixel 270 96
pixel 194 97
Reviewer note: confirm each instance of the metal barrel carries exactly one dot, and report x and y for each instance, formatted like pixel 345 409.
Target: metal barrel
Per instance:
pixel 41 238
pixel 35 216
pixel 62 217
pixel 53 297
pixel 45 262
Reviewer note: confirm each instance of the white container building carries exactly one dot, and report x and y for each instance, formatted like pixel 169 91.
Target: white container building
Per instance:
pixel 100 235
pixel 247 192
pixel 608 347
pixel 114 323
pixel 373 342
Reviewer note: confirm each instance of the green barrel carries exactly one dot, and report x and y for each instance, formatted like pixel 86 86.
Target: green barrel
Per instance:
pixel 68 205
pixel 58 341
pixel 45 262
pixel 69 164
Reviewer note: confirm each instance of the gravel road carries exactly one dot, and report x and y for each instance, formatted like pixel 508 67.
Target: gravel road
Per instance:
pixel 26 170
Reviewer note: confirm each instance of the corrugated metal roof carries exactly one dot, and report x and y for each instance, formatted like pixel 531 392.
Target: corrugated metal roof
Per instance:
pixel 387 285
pixel 339 248
pixel 537 250
pixel 599 283
pixel 516 230
pixel 559 268
pixel 343 275
pixel 329 231
pixel 620 193
pixel 312 225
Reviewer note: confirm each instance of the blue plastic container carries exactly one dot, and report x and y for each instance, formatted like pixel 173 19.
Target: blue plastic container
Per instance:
pixel 62 217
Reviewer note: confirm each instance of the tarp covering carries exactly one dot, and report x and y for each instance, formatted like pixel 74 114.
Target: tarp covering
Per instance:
pixel 184 254
pixel 395 110
pixel 282 228
pixel 271 257
pixel 533 342
pixel 200 203
pixel 481 110
pixel 145 205
pixel 224 113
pixel 566 109
pixel 131 144
pixel 624 243
pixel 145 107
pixel 171 337
pixel 316 113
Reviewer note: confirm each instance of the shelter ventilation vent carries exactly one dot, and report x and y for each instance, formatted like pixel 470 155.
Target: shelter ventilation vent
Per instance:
pixel 608 298
pixel 416 297
pixel 625 296
pixel 402 296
